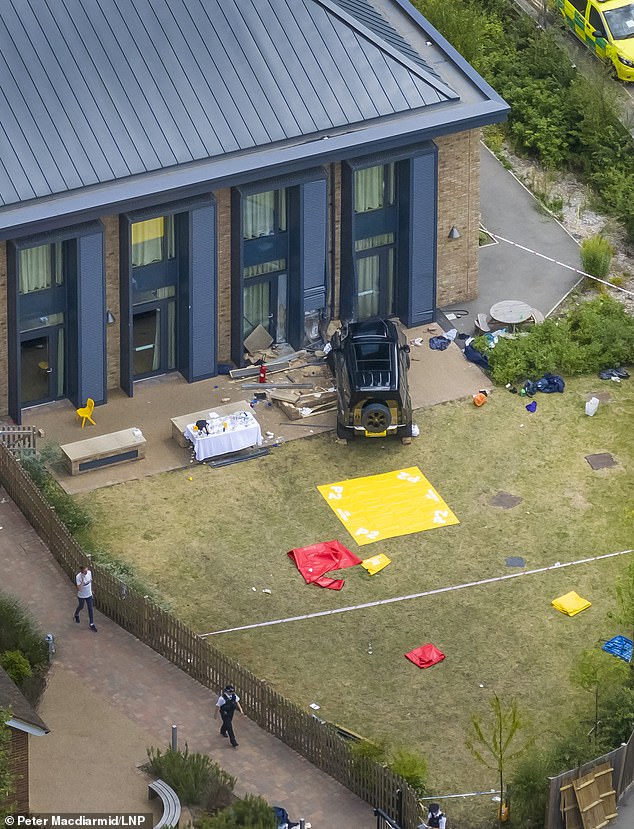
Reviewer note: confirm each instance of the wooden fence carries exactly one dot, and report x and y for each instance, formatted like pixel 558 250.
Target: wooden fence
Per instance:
pixel 622 761
pixel 18 437
pixel 318 742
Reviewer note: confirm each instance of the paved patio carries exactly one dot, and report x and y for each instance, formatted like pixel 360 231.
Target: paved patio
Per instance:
pixel 435 377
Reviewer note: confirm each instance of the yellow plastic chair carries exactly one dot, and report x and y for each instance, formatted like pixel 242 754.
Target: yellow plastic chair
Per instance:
pixel 85 412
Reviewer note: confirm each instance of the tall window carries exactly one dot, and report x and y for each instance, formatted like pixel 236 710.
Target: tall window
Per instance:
pixel 153 241
pixel 40 268
pixel 374 188
pixel 263 214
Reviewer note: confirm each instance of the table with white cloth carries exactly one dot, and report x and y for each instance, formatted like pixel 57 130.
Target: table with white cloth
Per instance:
pixel 227 433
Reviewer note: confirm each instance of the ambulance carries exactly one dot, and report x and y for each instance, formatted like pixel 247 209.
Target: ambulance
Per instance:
pixel 606 28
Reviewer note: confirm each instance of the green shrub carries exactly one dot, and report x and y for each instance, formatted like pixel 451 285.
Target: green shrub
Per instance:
pixel 70 512
pixel 369 750
pixel 411 767
pixel 598 334
pixel 16 665
pixel 195 778
pixel 250 813
pixel 596 256
pixel 529 788
pixel 18 632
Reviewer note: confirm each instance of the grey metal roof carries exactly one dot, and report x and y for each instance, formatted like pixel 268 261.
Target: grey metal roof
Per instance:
pixel 24 716
pixel 95 91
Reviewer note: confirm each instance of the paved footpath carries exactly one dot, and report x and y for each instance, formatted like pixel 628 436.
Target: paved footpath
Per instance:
pixel 134 682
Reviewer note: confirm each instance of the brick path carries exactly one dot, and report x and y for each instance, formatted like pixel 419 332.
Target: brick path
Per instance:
pixel 154 694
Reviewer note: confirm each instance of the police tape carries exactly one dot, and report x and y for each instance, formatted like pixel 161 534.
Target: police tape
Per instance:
pixel 557 566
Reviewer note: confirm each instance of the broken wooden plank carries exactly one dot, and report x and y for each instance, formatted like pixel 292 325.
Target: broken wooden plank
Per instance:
pixel 253 371
pixel 264 386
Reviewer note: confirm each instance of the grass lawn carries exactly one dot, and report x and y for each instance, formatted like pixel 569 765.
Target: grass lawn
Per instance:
pixel 204 544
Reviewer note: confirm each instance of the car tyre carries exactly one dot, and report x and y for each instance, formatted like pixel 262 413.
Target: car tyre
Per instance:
pixel 376 417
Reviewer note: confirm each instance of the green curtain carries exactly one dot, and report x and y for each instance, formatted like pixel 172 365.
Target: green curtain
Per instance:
pixel 35 269
pixel 368 269
pixel 258 215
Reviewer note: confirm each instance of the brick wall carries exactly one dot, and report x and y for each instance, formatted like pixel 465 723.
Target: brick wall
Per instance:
pixel 223 237
pixel 19 754
pixel 459 206
pixel 113 332
pixel 4 339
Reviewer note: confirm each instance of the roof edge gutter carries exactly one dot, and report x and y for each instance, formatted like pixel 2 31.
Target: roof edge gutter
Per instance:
pixel 201 177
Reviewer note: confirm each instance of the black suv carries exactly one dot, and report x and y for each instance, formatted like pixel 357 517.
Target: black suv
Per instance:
pixel 370 361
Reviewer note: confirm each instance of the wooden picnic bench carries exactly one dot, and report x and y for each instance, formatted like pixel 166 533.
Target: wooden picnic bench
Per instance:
pixel 104 450
pixel 171 803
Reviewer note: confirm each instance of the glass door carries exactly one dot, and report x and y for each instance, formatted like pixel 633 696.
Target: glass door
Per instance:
pixel 265 303
pixel 41 367
pixel 154 339
pixel 375 283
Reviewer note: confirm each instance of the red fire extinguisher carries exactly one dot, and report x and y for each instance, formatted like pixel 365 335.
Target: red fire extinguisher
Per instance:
pixel 262 378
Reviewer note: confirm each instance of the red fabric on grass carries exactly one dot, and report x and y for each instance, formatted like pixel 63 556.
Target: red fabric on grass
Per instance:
pixel 425 656
pixel 315 561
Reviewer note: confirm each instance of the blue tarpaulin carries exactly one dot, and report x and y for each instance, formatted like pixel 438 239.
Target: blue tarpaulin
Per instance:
pixel 620 646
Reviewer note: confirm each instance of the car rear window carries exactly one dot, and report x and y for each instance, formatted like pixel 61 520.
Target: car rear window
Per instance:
pixel 373 365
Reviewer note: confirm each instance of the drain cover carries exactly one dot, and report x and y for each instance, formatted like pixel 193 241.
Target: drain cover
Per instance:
pixel 505 500
pixel 602 460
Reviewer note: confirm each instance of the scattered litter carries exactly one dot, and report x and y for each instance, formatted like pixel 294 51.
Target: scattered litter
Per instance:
pixel 439 343
pixel 137 432
pixel 255 589
pixel 190 478
pixel 591 406
pixel 314 706
pixel 266 589
pixel 415 430
pixel 451 334
pixel 479 399
pixel 269 434
pixel 417 341
pixel 225 399
pixel 370 648
pixel 532 406
pixel 617 374
pixel 481 685
pixel 548 384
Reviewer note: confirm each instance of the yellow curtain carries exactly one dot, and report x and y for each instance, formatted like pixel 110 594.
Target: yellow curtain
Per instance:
pixel 147 241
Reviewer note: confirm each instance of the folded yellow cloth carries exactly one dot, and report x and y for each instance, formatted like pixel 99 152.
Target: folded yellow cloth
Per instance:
pixel 571 603
pixel 376 563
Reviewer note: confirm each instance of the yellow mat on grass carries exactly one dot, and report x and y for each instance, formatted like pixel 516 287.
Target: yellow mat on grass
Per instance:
pixel 571 603
pixel 387 505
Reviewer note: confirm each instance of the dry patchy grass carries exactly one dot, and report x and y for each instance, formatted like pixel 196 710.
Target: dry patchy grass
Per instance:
pixel 204 544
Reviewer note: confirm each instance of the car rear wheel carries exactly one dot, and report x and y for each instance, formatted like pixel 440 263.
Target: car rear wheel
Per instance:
pixel 376 417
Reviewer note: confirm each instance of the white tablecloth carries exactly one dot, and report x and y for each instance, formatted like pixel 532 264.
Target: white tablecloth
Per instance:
pixel 237 436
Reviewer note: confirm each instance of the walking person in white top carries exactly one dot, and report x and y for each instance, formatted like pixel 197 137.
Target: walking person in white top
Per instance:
pixel 83 579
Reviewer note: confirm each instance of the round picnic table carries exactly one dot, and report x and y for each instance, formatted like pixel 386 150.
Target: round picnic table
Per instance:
pixel 511 311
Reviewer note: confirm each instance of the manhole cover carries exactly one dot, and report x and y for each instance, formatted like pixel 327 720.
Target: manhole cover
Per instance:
pixel 602 460
pixel 515 561
pixel 505 500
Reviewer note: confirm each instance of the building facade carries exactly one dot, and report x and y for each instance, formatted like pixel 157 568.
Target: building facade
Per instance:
pixel 171 178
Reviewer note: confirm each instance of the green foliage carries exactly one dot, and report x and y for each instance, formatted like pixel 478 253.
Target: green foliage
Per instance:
pixel 561 117
pixel 596 256
pixel 595 669
pixel 195 778
pixel 529 789
pixel 18 632
pixel 490 739
pixel 250 813
pixel 16 665
pixel 7 780
pixel 598 334
pixel 369 750
pixel 411 767
pixel 70 512
pixel 616 714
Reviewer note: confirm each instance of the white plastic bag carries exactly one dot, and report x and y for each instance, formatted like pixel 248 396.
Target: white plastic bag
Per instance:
pixel 591 406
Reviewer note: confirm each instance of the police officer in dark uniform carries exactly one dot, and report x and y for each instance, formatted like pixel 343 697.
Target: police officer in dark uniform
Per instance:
pixel 227 703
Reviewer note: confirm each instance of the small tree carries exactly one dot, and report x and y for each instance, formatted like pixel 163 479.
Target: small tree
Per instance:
pixel 598 671
pixel 490 741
